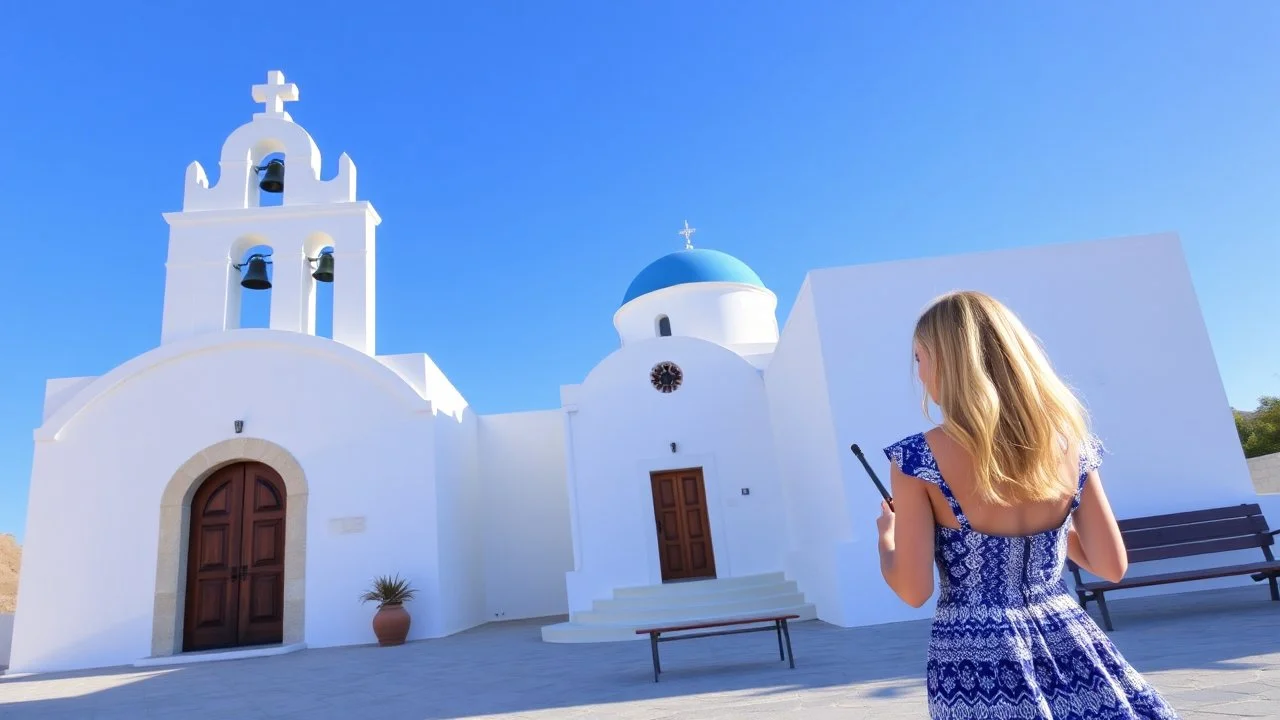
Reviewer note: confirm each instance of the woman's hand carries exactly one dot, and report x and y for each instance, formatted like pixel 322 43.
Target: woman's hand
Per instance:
pixel 885 524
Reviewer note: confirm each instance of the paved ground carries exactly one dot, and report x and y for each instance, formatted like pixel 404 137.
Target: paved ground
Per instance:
pixel 1214 654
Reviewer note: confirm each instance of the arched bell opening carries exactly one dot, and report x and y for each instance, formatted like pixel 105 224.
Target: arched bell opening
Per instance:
pixel 322 279
pixel 255 267
pixel 270 176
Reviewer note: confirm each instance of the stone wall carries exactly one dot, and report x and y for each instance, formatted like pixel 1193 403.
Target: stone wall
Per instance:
pixel 1265 471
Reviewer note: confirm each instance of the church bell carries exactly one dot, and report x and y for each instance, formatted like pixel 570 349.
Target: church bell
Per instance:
pixel 255 278
pixel 273 178
pixel 324 267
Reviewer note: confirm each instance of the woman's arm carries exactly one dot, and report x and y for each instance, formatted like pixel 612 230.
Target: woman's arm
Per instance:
pixel 906 539
pixel 1094 541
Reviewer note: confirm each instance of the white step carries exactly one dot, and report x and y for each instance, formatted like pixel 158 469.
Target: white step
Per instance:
pixel 693 587
pixel 679 603
pixel 722 607
pixel 574 632
pixel 708 593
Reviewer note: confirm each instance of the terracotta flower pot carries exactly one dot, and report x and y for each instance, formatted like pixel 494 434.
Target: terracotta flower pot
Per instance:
pixel 391 624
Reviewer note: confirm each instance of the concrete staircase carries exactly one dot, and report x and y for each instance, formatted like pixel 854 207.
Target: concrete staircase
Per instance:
pixel 672 603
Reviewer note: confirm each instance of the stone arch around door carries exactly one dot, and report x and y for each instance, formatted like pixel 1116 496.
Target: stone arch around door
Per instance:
pixel 171 560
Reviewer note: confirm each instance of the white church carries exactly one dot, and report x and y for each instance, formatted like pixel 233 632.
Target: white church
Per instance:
pixel 202 500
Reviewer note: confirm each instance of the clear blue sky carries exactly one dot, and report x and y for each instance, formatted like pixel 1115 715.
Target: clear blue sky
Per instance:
pixel 528 159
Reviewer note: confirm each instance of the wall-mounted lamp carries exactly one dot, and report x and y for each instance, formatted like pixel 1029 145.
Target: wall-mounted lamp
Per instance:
pixel 273 179
pixel 324 266
pixel 239 426
pixel 255 278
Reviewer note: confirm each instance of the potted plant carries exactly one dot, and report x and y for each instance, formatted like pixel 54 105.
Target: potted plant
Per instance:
pixel 391 622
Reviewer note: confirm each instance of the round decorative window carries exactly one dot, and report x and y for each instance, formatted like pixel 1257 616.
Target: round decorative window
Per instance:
pixel 666 377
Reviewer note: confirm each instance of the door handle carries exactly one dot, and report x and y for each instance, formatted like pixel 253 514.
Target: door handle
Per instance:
pixel 659 524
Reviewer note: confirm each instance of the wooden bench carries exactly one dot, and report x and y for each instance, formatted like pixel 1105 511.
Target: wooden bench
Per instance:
pixel 779 625
pixel 1187 534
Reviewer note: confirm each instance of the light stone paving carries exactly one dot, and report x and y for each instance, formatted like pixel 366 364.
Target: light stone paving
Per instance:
pixel 1214 654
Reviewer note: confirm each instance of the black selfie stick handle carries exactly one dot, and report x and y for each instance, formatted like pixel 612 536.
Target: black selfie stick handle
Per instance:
pixel 857 451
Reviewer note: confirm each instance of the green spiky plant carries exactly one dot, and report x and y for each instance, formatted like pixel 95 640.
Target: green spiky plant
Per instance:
pixel 388 590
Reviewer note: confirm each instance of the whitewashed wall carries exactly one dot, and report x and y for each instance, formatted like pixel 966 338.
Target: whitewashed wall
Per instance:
pixel 808 451
pixel 1122 324
pixel 526 539
pixel 363 437
pixel 459 508
pixel 6 637
pixel 459 493
pixel 621 431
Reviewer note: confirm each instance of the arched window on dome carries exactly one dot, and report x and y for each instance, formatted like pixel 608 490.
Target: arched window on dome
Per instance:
pixel 664 326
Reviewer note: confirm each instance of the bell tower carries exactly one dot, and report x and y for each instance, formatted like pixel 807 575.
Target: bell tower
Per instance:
pixel 317 232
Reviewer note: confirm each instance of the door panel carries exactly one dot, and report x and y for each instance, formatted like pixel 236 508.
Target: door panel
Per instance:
pixel 684 530
pixel 213 562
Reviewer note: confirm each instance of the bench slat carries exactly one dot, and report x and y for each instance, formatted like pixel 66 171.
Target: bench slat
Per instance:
pixel 723 622
pixel 1254 526
pixel 1166 552
pixel 1185 575
pixel 1194 516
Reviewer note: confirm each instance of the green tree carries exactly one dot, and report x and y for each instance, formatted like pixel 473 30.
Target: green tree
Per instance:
pixel 1260 430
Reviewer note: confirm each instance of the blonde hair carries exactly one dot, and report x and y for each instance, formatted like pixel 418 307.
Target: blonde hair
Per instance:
pixel 1002 401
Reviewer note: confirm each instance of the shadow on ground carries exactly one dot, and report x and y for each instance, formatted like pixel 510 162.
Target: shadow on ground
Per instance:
pixel 505 670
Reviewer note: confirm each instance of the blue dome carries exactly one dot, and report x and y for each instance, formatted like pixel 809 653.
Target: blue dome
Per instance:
pixel 690 266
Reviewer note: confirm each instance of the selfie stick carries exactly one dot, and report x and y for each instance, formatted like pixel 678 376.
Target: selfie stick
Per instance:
pixel 879 485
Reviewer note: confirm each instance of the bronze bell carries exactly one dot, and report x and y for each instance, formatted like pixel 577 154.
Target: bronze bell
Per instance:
pixel 324 267
pixel 255 278
pixel 273 178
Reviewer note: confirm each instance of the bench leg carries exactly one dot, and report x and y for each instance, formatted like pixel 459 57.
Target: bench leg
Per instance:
pixel 653 644
pixel 787 634
pixel 778 626
pixel 1275 588
pixel 1102 605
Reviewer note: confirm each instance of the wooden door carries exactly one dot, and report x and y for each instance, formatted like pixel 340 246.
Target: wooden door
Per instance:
pixel 684 530
pixel 235 560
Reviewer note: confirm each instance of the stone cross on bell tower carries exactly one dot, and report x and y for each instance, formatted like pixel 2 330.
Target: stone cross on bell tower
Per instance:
pixel 274 94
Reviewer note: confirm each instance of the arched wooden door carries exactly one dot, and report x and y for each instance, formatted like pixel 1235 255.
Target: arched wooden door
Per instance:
pixel 235 560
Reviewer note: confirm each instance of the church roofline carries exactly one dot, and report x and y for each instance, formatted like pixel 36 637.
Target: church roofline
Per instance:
pixel 51 429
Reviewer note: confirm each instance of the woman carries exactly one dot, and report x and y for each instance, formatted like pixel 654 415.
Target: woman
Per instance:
pixel 999 495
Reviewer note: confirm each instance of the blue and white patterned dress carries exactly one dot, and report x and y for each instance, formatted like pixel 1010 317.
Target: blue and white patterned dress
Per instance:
pixel 1009 640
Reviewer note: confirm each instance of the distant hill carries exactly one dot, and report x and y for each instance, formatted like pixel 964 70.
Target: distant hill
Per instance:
pixel 10 558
